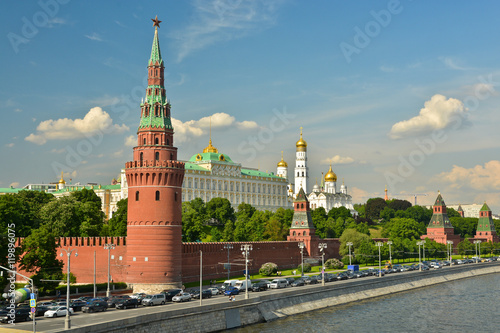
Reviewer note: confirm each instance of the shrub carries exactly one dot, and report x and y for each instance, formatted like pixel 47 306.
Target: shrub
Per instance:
pixel 269 268
pixel 334 264
pixel 307 268
pixel 72 277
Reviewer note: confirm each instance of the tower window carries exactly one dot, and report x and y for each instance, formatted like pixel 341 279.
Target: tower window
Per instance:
pixel 157 156
pixel 141 156
pixel 302 173
pixel 175 196
pixel 136 195
pixel 171 156
pixel 301 205
pixel 144 141
pixel 168 142
pixel 156 141
pixel 157 196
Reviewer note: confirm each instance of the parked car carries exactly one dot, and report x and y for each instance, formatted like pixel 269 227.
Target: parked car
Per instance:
pixel 150 300
pixel 21 314
pixel 204 294
pixel 137 295
pixel 278 283
pixel 77 304
pixel 57 311
pixel 169 294
pixel 259 286
pixel 182 297
pixel 114 299
pixel 215 291
pixel 310 280
pixel 290 280
pixel 46 303
pixel 298 283
pixel 231 291
pixel 126 303
pixel 95 307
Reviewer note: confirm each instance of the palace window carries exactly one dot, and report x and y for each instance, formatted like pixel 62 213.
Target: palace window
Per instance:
pixel 157 196
pixel 136 195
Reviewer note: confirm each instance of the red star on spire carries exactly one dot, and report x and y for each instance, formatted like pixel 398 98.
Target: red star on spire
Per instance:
pixel 156 22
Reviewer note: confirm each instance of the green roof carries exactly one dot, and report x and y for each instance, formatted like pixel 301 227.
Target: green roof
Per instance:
pixel 192 166
pixel 155 51
pixel 257 173
pixel 439 201
pixel 301 196
pixel 205 157
pixel 485 208
pixel 10 190
pixel 70 188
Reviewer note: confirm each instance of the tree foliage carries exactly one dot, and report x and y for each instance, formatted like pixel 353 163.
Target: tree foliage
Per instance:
pixel 374 206
pixel 403 228
pixel 268 269
pixel 117 224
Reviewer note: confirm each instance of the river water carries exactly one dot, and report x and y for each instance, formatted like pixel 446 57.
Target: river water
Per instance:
pixel 468 305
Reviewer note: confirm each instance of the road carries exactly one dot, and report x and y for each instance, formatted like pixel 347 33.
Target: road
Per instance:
pixel 48 325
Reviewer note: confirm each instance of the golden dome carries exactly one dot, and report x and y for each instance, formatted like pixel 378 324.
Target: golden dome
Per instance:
pixel 61 181
pixel 301 144
pixel 330 175
pixel 282 163
pixel 210 148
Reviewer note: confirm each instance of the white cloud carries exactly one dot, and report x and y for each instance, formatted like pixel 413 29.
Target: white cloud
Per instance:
pixel 117 153
pixel 131 141
pixel 56 21
pixel 96 120
pixel 387 69
pixel 14 184
pixel 10 145
pixel 359 195
pixel 337 159
pixel 94 36
pixel 196 128
pixel 438 113
pixel 481 178
pixel 58 151
pixel 215 21
pixel 18 110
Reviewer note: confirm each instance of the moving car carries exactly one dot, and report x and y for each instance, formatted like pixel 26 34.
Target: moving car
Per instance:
pixel 57 311
pixel 182 297
pixel 231 291
pixel 21 314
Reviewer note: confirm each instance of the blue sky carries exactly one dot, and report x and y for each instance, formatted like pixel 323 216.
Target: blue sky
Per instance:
pixel 402 93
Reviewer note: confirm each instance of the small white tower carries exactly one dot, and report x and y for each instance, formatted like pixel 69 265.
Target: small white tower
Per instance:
pixel 331 181
pixel 343 188
pixel 300 165
pixel 282 169
pixel 62 183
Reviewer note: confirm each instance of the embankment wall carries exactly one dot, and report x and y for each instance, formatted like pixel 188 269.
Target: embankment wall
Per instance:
pixel 273 306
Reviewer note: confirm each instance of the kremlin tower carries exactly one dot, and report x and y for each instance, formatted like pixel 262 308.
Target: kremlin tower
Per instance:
pixel 302 228
pixel 301 165
pixel 154 177
pixel 440 228
pixel 485 226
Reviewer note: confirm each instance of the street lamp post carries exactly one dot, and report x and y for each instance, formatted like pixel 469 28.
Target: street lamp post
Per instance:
pixel 67 321
pixel 478 242
pixel 450 245
pixel 228 247
pixel 301 246
pixel 246 248
pixel 390 254
pixel 423 248
pixel 321 247
pixel 349 244
pixel 109 247
pixel 420 243
pixel 379 244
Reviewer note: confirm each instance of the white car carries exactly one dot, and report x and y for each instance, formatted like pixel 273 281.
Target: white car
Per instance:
pixel 214 291
pixel 57 311
pixel 181 297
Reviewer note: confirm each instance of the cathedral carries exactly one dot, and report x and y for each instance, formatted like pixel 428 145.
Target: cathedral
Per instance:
pixel 326 195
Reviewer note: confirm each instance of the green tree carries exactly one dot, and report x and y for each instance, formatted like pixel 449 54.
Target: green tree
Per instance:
pixel 465 247
pixel 360 208
pixel 85 195
pixel 464 226
pixel 374 207
pixel 193 220
pixel 387 214
pixel 117 224
pixel 403 228
pixel 451 212
pixel 319 219
pixel 397 204
pixel 342 212
pixel 40 257
pixel 220 210
pixel 243 216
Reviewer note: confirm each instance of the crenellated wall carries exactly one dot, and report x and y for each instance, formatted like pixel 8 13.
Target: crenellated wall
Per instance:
pixel 285 254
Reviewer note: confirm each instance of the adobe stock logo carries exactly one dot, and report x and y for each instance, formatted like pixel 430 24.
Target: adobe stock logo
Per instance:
pixel 363 38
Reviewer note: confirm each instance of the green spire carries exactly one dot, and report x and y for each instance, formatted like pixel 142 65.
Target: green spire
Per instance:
pixel 485 208
pixel 155 51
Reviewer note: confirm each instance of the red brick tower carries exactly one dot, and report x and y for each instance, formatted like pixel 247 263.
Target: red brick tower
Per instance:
pixel 154 225
pixel 302 228
pixel 485 226
pixel 440 228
